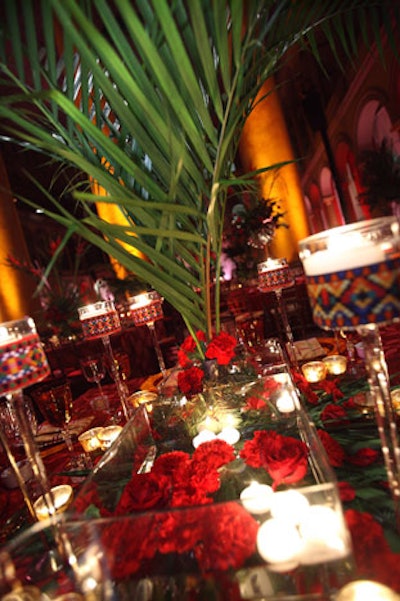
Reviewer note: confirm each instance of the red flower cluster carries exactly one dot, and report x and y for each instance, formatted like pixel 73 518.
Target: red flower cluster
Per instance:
pixel 372 552
pixel 283 457
pixel 177 480
pixel 230 536
pixel 221 348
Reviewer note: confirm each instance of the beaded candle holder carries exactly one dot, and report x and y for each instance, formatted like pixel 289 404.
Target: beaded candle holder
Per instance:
pixel 22 363
pixel 274 276
pixel 145 310
pixel 100 320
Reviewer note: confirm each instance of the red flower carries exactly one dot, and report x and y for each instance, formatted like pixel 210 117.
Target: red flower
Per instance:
pixel 230 535
pixel 346 492
pixel 372 552
pixel 333 449
pixel 171 463
pixel 189 347
pixel 254 402
pixel 284 457
pixel 143 492
pixel 363 457
pixel 214 454
pixel 305 388
pixel 334 415
pixel 222 348
pixel 190 381
pixel 330 388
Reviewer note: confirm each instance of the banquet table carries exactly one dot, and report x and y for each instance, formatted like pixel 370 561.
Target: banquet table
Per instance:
pixel 13 512
pixel 351 443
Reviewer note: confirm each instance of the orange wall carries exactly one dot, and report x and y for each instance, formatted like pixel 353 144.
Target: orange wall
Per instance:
pixel 16 288
pixel 265 141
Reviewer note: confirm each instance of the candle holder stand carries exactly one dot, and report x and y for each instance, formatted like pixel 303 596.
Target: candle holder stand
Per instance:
pixel 353 282
pixel 274 276
pixel 146 309
pixel 100 320
pixel 23 363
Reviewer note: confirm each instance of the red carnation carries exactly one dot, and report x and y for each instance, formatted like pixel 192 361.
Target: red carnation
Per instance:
pixel 333 449
pixel 363 457
pixel 346 491
pixel 334 415
pixel 222 348
pixel 214 454
pixel 190 381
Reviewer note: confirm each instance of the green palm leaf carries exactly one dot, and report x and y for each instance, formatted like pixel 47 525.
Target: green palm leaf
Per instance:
pixel 149 100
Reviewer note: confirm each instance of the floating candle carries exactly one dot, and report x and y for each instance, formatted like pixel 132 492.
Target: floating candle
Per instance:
pixel 203 436
pixel 256 498
pixel 285 402
pixel 279 543
pixel 229 435
pixel 289 505
pixel 366 590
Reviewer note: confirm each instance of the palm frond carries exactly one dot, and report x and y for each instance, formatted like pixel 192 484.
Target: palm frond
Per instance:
pixel 149 100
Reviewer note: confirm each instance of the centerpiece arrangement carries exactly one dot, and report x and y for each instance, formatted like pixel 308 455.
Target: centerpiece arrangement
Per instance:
pixel 218 498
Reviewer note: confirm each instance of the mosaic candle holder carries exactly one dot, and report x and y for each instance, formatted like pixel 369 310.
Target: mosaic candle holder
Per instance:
pixel 353 280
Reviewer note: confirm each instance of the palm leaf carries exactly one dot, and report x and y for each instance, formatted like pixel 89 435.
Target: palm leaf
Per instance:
pixel 149 100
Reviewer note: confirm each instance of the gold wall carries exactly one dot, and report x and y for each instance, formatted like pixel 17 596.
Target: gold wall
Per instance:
pixel 265 141
pixel 16 288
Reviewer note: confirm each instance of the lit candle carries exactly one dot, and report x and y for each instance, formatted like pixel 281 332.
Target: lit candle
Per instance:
pixel 395 394
pixel 323 534
pixel 211 424
pixel 289 505
pixel 108 435
pixel 143 397
pixel 229 435
pixel 256 498
pixel 366 590
pixel 99 319
pixel 314 371
pixel 7 336
pixel 90 440
pixel 343 252
pixel 335 364
pixel 285 402
pixel 279 543
pixel 61 496
pixel 203 436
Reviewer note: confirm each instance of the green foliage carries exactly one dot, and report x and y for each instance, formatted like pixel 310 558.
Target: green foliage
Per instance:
pixel 149 99
pixel 380 175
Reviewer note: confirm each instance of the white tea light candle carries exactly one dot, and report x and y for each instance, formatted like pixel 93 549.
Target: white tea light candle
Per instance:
pixel 285 402
pixel 289 505
pixel 256 498
pixel 60 495
pixel 108 435
pixel 279 543
pixel 229 435
pixel 314 371
pixel 335 364
pixel 366 590
pixel 89 440
pixel 203 436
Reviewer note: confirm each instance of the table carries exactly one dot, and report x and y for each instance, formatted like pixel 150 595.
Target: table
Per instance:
pixel 352 445
pixel 13 513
